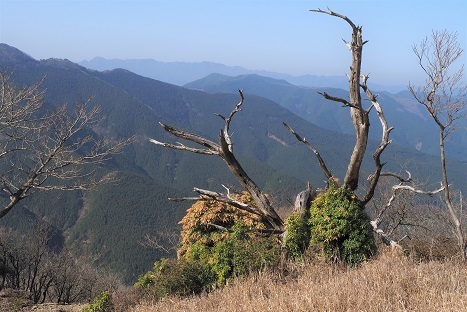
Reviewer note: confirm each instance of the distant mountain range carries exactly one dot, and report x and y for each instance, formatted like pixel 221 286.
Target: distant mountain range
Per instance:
pixel 107 223
pixel 180 73
pixel 413 126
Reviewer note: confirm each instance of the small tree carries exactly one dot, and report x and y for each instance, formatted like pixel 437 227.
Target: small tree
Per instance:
pixel 444 96
pixel 42 150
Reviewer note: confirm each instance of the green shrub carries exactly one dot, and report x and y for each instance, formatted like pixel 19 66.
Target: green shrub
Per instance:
pixel 209 257
pixel 172 277
pixel 339 224
pixel 242 252
pixel 298 234
pixel 101 303
pixel 145 280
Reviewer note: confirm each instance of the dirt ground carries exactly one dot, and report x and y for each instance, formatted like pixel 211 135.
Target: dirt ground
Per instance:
pixel 14 301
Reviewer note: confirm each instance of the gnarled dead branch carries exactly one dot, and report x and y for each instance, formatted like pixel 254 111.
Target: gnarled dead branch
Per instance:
pixel 322 164
pixel 358 115
pixel 224 150
pixel 394 191
pixel 374 178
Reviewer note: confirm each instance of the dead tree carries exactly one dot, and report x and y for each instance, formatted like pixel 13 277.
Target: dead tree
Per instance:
pixel 47 151
pixel 359 116
pixel 444 96
pixel 224 149
pixel 360 120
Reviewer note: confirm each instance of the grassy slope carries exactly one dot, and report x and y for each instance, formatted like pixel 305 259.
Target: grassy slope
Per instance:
pixel 388 283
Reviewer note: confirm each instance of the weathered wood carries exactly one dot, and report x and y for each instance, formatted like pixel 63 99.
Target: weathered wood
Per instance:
pixel 303 200
pixel 224 149
pixel 322 164
pixel 395 190
pixel 359 116
pixel 386 130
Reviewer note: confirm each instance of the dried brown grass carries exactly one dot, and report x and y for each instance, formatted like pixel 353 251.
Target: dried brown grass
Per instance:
pixel 389 283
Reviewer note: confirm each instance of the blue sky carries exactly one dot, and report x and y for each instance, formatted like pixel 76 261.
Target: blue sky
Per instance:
pixel 281 36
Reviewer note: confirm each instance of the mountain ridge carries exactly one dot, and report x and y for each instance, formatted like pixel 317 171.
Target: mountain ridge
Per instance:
pixel 180 73
pixel 413 125
pixel 119 215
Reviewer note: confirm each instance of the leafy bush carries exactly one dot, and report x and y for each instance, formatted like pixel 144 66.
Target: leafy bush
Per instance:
pixel 228 253
pixel 298 235
pixel 242 252
pixel 339 224
pixel 174 277
pixel 204 267
pixel 209 257
pixel 101 303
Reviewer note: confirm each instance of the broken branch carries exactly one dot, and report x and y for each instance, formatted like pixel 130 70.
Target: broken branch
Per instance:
pixel 322 164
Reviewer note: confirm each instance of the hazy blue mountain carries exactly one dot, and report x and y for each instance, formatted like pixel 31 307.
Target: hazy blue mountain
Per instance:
pixel 413 127
pixel 180 73
pixel 108 222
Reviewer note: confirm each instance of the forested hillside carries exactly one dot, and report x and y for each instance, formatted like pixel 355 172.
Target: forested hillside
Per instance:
pixel 108 223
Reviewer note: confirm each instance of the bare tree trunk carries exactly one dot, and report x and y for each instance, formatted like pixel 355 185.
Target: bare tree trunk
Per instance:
pixel 359 117
pixel 445 98
pixel 268 212
pixel 458 232
pixel 224 149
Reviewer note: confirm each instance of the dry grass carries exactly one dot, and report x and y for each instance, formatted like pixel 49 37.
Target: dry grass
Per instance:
pixel 388 283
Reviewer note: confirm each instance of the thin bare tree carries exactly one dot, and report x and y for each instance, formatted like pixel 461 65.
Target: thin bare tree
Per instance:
pixel 444 96
pixel 42 150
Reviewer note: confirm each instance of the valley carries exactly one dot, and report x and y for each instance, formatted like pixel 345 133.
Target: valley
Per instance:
pixel 118 215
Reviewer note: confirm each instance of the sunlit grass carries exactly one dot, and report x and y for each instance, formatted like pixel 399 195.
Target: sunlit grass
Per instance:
pixel 390 282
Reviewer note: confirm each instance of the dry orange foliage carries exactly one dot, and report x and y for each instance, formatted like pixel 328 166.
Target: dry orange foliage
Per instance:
pixel 195 224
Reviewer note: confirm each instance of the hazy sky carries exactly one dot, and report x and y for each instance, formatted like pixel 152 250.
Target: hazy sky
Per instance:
pixel 281 36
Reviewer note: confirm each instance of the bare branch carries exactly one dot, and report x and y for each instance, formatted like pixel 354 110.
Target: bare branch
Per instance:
pixel 386 236
pixel 224 150
pixel 185 198
pixel 260 231
pixel 213 147
pixel 444 96
pixel 359 116
pixel 210 195
pixel 182 147
pixel 401 187
pixel 397 176
pixel 384 140
pixel 166 241
pixel 47 151
pixel 329 12
pixel 221 228
pixel 237 108
pixel 322 164
pixel 344 102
